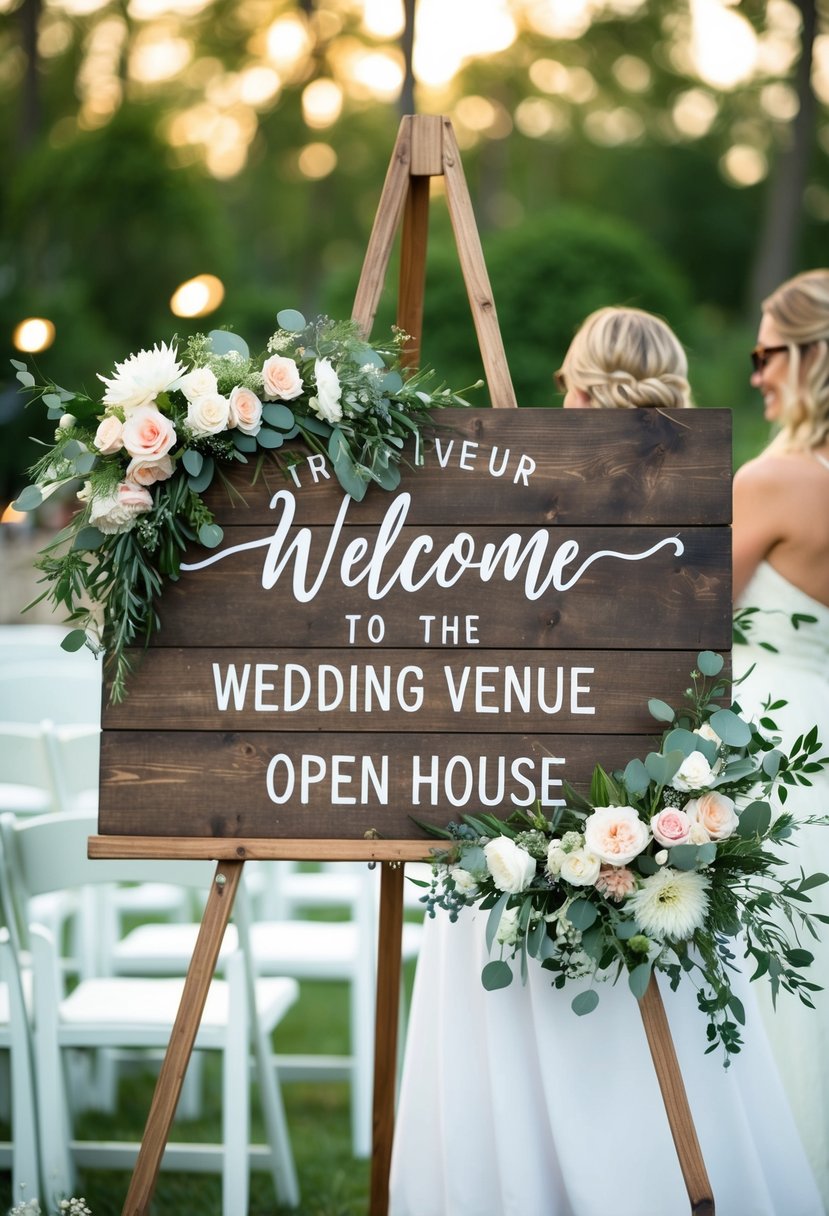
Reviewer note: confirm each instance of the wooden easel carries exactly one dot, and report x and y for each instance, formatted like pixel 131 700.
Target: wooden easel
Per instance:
pixel 425 148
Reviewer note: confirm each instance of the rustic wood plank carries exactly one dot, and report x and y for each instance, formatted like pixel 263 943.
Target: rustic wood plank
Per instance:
pixel 336 786
pixel 476 278
pixel 662 601
pixel 640 467
pixel 176 848
pixel 427 145
pixel 449 690
pixel 411 287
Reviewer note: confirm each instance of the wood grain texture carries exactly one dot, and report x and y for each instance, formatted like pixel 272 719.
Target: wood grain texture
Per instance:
pixel 176 848
pixel 384 229
pixel 176 690
pixel 206 784
pixel 387 1019
pixel 591 466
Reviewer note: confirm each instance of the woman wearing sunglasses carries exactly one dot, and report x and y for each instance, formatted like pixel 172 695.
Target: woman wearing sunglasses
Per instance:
pixel 781 572
pixel 510 1105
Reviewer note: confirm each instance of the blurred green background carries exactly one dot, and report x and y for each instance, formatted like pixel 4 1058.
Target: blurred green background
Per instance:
pixel 669 155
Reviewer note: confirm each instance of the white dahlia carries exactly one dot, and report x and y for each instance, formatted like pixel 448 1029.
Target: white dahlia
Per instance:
pixel 670 903
pixel 140 378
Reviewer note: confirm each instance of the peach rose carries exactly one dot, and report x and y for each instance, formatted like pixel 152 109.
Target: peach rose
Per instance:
pixel 208 415
pixel 616 883
pixel 671 827
pixel 715 813
pixel 245 410
pixel 148 472
pixel 148 434
pixel 109 437
pixel 134 497
pixel 615 834
pixel 118 511
pixel 281 378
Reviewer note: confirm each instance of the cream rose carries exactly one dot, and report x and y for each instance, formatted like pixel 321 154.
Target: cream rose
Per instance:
pixel 109 437
pixel 615 834
pixel 698 834
pixel 463 880
pixel 507 932
pixel 281 379
pixel 671 827
pixel 580 868
pixel 707 732
pixel 245 410
pixel 148 472
pixel 326 404
pixel 715 813
pixel 693 774
pixel 208 415
pixel 512 868
pixel 148 434
pixel 555 856
pixel 117 512
pixel 200 382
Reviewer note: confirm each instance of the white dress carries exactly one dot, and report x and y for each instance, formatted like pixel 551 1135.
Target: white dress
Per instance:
pixel 511 1105
pixel 799 672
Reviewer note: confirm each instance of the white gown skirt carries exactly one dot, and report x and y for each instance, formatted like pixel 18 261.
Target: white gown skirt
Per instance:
pixel 511 1105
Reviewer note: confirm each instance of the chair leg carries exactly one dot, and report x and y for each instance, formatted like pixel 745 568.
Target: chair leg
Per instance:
pixel 283 1169
pixel 236 1096
pixel 57 1166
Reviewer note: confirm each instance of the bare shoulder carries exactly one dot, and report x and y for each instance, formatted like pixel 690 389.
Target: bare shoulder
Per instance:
pixel 780 473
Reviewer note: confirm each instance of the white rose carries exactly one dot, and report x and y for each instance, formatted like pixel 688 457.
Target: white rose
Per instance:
pixel 695 773
pixel 615 834
pixel 200 382
pixel 208 415
pixel 117 512
pixel 326 404
pixel 580 868
pixel 555 856
pixel 707 732
pixel 698 834
pixel 507 931
pixel 463 880
pixel 245 410
pixel 512 868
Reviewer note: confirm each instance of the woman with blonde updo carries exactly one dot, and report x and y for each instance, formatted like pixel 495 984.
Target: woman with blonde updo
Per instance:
pixel 781 572
pixel 510 1105
pixel 623 358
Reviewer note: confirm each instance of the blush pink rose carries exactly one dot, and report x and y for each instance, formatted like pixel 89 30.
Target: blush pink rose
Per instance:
pixel 671 827
pixel 148 472
pixel 148 434
pixel 245 410
pixel 134 497
pixel 615 834
pixel 616 883
pixel 109 437
pixel 281 378
pixel 715 813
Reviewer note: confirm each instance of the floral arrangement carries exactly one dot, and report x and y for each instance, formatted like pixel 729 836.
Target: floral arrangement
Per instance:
pixel 66 1207
pixel 670 865
pixel 168 423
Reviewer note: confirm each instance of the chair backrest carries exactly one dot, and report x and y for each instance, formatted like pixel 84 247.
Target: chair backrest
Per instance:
pixel 49 853
pixel 61 692
pixel 74 756
pixel 27 783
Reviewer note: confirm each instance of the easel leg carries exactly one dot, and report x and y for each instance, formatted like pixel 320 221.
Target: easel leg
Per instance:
pixel 385 1050
pixel 168 1086
pixel 676 1101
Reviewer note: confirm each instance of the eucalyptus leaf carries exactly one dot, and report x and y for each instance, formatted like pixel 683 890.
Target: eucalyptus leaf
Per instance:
pixel 316 426
pixel 72 449
pixel 192 461
pixel 710 663
pixel 646 865
pixel 26 379
pixel 684 856
pixel 367 355
pixel 291 320
pixel 754 820
pixel 266 438
pixel 204 478
pixel 52 401
pixel 636 777
pixel 392 382
pixel 74 640
pixel 585 1002
pixel 639 979
pixel 683 740
pixel 84 463
pixel 223 342
pixel 28 499
pixel 582 914
pixel 495 975
pixel 626 929
pixel 494 919
pixel 210 535
pixel 731 729
pixel 706 853
pixel 17 365
pixel 278 415
pixel 771 762
pixel 243 442
pixel 88 538
pixel 663 768
pixel 660 710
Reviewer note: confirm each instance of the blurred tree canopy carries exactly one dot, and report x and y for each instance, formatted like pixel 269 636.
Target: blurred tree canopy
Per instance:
pixel 668 154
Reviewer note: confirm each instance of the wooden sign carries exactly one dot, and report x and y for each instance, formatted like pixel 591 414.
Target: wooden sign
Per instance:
pixel 491 629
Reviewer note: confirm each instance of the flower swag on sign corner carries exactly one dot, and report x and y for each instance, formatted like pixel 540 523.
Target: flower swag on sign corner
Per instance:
pixel 168 424
pixel 672 865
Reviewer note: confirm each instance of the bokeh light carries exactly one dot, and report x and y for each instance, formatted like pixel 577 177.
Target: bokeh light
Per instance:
pixel 34 334
pixel 197 297
pixel 316 161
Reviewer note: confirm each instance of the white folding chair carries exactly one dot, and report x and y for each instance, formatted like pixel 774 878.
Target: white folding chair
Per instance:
pixel 64 692
pixel 46 853
pixel 331 951
pixel 27 785
pixel 20 1154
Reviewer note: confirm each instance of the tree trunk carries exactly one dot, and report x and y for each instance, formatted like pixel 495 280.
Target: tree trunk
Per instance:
pixel 407 101
pixel 777 248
